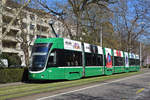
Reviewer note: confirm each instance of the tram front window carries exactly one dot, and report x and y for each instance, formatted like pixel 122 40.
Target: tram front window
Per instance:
pixel 38 62
pixel 39 56
pixel 41 47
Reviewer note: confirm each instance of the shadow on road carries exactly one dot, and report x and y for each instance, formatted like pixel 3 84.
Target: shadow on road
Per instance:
pixel 42 81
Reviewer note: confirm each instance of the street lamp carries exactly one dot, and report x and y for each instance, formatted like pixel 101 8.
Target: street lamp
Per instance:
pixel 140 54
pixel 51 22
pixel 142 23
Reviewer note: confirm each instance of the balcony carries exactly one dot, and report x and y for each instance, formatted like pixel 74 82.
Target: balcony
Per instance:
pixel 10 46
pixel 11 50
pixel 8 12
pixel 11 38
pixel 11 35
pixel 7 20
pixel 14 27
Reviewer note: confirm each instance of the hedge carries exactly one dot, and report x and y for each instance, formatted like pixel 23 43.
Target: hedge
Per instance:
pixel 8 75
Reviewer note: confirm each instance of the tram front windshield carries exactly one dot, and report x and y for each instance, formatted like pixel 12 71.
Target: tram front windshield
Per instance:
pixel 39 56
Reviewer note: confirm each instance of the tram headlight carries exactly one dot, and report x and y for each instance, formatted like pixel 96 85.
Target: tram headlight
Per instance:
pixel 42 76
pixel 50 70
pixel 33 75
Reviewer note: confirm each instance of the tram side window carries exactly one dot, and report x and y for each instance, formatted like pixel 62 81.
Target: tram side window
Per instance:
pixel 88 59
pixel 100 60
pixel 131 62
pixel 118 61
pixel 69 58
pixel 52 59
pixel 93 59
pixel 137 62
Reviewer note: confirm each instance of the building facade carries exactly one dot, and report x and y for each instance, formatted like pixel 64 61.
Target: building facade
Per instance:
pixel 147 61
pixel 34 23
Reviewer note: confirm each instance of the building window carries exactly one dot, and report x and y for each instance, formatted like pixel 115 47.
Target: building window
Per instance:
pixel 24 25
pixel 6 19
pixel 8 9
pixel 40 36
pixel 32 26
pixel 9 44
pixel 32 17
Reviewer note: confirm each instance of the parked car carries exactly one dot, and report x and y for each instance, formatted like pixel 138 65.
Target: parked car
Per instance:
pixel 3 63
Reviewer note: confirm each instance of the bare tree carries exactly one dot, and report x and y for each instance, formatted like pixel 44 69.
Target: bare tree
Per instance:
pixel 90 16
pixel 80 14
pixel 58 12
pixel 25 37
pixel 130 24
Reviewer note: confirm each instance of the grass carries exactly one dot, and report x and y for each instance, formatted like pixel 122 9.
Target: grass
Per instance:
pixel 8 92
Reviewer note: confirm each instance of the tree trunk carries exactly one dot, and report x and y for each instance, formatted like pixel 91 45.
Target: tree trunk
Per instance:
pixel 26 52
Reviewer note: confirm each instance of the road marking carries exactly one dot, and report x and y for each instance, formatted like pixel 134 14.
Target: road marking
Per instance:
pixel 90 87
pixel 139 91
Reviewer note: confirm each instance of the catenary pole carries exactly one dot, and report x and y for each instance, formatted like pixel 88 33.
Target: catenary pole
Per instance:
pixel 101 36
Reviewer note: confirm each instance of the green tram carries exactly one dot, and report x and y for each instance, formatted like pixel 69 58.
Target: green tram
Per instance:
pixel 59 58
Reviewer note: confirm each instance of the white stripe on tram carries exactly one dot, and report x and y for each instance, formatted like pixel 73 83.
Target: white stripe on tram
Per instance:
pixel 82 67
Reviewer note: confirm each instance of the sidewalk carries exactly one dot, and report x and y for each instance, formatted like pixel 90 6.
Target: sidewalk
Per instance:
pixel 144 69
pixel 11 84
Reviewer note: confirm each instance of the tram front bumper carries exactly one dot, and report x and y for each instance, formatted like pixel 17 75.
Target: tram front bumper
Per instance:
pixel 37 76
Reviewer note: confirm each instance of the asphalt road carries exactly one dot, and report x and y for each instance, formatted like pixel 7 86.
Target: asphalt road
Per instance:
pixel 130 88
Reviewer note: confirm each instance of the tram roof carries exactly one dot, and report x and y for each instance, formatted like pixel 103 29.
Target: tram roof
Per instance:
pixel 47 40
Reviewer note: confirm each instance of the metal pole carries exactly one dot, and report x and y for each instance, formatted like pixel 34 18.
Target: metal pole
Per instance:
pixel 147 61
pixel 101 36
pixel 51 22
pixel 53 30
pixel 140 54
pixel 83 60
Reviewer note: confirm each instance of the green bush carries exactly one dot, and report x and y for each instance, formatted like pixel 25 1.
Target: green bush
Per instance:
pixel 8 75
pixel 13 59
